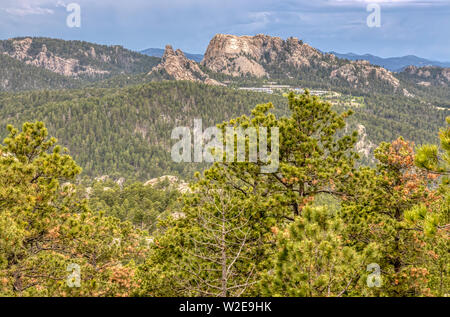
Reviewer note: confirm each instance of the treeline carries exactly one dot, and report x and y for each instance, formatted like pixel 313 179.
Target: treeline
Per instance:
pixel 320 225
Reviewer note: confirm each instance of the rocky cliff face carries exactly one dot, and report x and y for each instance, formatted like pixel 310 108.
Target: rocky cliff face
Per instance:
pixel 50 61
pixel 246 55
pixel 364 146
pixel 428 75
pixel 76 58
pixel 359 73
pixel 267 56
pixel 177 66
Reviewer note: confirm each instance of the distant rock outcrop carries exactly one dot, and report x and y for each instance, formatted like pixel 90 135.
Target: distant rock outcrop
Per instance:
pixel 264 56
pixel 173 181
pixel 50 61
pixel 76 59
pixel 176 65
pixel 246 55
pixel 428 75
pixel 359 72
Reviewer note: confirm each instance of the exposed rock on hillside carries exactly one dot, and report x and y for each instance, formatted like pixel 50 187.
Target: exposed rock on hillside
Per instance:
pixel 246 55
pixel 428 75
pixel 359 72
pixel 173 181
pixel 176 65
pixel 364 146
pixel 267 56
pixel 76 58
pixel 48 60
pixel 16 75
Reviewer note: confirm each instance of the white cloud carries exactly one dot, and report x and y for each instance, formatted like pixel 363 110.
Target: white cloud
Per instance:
pixel 24 11
pixel 23 8
pixel 60 4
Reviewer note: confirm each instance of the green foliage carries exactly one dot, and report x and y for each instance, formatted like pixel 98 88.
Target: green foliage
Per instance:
pixel 235 206
pixel 142 205
pixel 380 209
pixel 313 259
pixel 388 117
pixel 313 158
pixel 211 249
pixel 127 131
pixel 45 229
pixel 310 227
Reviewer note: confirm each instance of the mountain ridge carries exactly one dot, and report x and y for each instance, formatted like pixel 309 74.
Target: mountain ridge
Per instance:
pixel 264 56
pixel 230 59
pixel 395 64
pixel 77 59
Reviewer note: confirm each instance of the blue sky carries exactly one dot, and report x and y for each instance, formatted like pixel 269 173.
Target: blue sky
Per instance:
pixel 418 27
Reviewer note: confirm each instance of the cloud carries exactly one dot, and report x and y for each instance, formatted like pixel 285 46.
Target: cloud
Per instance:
pixel 28 10
pixel 23 8
pixel 61 4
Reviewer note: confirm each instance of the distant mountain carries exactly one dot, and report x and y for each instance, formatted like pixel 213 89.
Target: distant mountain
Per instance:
pixel 394 64
pixel 159 52
pixel 29 63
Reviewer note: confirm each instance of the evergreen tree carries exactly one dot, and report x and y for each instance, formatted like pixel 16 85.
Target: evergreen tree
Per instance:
pixel 51 244
pixel 377 212
pixel 313 260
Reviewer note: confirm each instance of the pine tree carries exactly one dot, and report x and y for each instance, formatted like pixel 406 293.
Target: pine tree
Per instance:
pixel 436 224
pixel 211 249
pixel 51 244
pixel 313 260
pixel 377 212
pixel 313 160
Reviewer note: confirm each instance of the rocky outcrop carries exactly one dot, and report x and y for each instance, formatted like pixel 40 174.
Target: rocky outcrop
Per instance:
pixel 359 72
pixel 177 66
pixel 428 75
pixel 364 146
pixel 263 55
pixel 173 182
pixel 247 55
pixel 48 60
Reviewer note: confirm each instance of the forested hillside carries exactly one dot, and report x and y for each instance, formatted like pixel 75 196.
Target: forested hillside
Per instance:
pixel 17 76
pixel 126 132
pixel 93 204
pixel 71 59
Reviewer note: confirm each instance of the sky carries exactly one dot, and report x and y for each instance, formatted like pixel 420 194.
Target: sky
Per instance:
pixel 407 27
